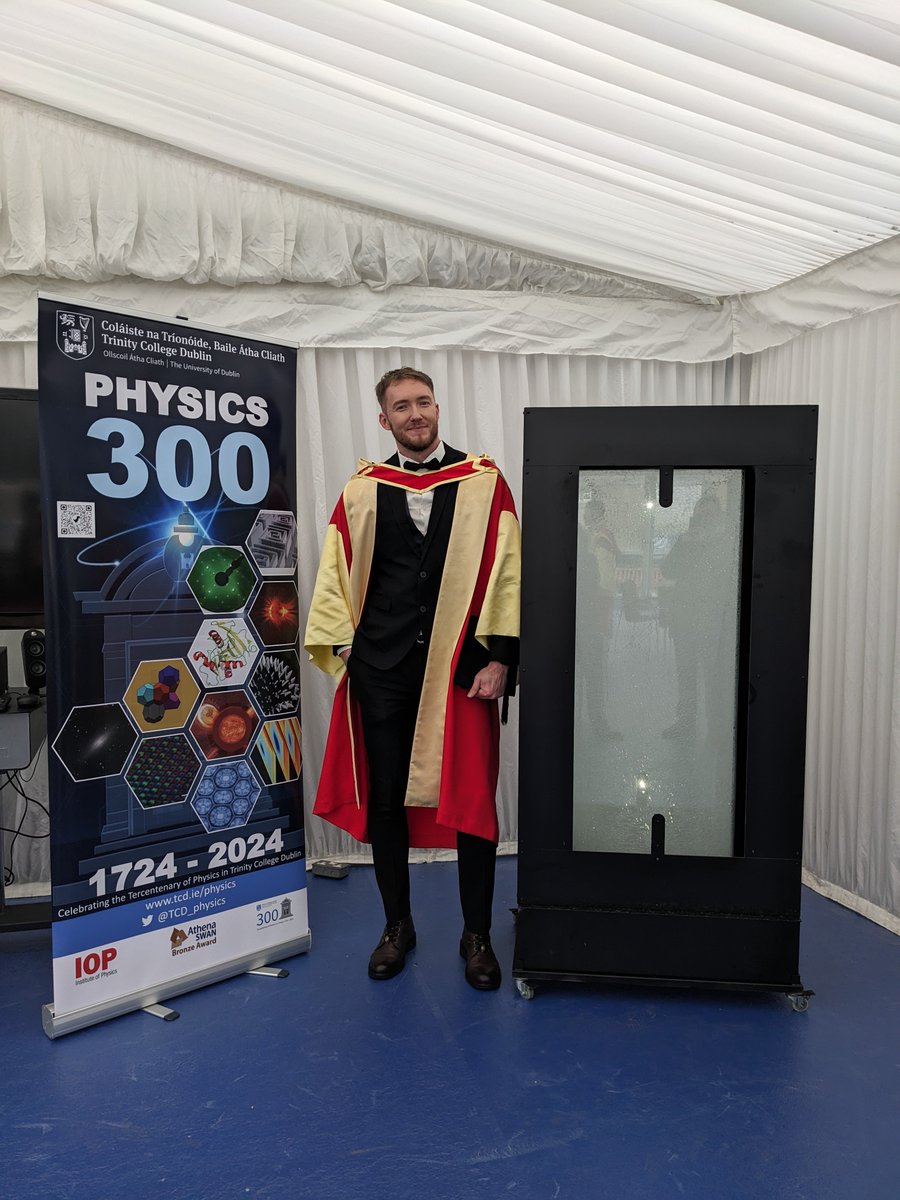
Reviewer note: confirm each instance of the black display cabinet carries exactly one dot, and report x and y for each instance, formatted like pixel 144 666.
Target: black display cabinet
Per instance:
pixel 665 628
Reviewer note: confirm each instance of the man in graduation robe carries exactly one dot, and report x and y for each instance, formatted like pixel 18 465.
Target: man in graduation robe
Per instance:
pixel 416 612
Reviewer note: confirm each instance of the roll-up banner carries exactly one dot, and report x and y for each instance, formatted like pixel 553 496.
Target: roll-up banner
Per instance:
pixel 168 476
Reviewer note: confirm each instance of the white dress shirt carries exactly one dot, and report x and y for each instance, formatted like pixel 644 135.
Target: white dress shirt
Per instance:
pixel 419 503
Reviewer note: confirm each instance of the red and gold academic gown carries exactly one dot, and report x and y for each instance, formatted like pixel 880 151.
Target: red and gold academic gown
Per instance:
pixel 455 755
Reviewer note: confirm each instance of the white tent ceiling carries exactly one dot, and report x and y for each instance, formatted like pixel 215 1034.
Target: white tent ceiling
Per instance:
pixel 712 147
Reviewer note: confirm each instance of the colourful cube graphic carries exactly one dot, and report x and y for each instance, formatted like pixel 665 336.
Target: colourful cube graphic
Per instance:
pixel 161 695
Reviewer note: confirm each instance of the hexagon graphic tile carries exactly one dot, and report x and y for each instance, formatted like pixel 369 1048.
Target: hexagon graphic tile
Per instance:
pixel 163 771
pixel 275 614
pixel 225 724
pixel 277 753
pixel 222 579
pixel 272 542
pixel 161 695
pixel 275 685
pixel 224 652
pixel 94 741
pixel 225 796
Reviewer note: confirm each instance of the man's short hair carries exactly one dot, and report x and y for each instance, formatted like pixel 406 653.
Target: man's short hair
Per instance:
pixel 395 376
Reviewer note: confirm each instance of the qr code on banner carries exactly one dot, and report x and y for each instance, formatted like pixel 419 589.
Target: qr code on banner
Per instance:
pixel 75 519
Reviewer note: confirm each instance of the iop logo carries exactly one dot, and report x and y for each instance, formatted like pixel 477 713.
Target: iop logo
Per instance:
pixel 95 963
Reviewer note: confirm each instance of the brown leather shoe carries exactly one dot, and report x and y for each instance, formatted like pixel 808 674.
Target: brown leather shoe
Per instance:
pixel 482 968
pixel 389 955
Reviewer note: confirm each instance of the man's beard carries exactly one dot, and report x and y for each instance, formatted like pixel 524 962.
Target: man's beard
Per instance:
pixel 416 444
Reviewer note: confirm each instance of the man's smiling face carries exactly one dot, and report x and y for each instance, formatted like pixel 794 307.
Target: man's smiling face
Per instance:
pixel 411 414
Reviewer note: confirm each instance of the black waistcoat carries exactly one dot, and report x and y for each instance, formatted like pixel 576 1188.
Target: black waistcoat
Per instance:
pixel 405 578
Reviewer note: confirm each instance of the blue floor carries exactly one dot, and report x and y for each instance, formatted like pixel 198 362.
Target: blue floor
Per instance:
pixel 329 1085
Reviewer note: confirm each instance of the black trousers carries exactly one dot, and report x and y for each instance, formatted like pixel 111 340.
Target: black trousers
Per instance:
pixel 389 703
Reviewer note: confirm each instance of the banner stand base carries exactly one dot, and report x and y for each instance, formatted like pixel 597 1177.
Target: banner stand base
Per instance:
pixel 55 1026
pixel 169 1014
pixel 160 1010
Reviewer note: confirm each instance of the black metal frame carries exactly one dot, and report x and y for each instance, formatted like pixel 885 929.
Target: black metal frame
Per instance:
pixel 652 917
pixel 34 618
pixel 18 915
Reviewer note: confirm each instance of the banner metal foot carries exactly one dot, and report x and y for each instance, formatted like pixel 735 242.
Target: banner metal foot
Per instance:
pixel 160 1010
pixel 272 972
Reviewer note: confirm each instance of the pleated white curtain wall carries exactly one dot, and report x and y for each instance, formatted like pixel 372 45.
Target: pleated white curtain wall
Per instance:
pixel 852 834
pixel 18 364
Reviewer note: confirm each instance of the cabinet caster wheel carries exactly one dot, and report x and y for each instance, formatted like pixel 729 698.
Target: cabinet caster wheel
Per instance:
pixel 524 988
pixel 799 1003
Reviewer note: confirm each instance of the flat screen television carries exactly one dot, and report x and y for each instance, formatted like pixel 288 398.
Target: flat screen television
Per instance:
pixel 21 572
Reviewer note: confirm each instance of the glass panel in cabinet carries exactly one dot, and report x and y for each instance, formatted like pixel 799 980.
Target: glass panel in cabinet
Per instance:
pixel 656 660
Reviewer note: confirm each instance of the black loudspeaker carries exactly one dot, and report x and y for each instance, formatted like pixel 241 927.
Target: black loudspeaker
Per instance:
pixel 34 659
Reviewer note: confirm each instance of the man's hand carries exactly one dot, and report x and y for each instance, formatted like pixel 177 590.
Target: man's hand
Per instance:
pixel 489 683
pixel 345 654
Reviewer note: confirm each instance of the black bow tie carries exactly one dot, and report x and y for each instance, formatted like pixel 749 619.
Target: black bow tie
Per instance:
pixel 431 465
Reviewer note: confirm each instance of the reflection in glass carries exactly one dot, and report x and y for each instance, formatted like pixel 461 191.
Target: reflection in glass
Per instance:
pixel 656 647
